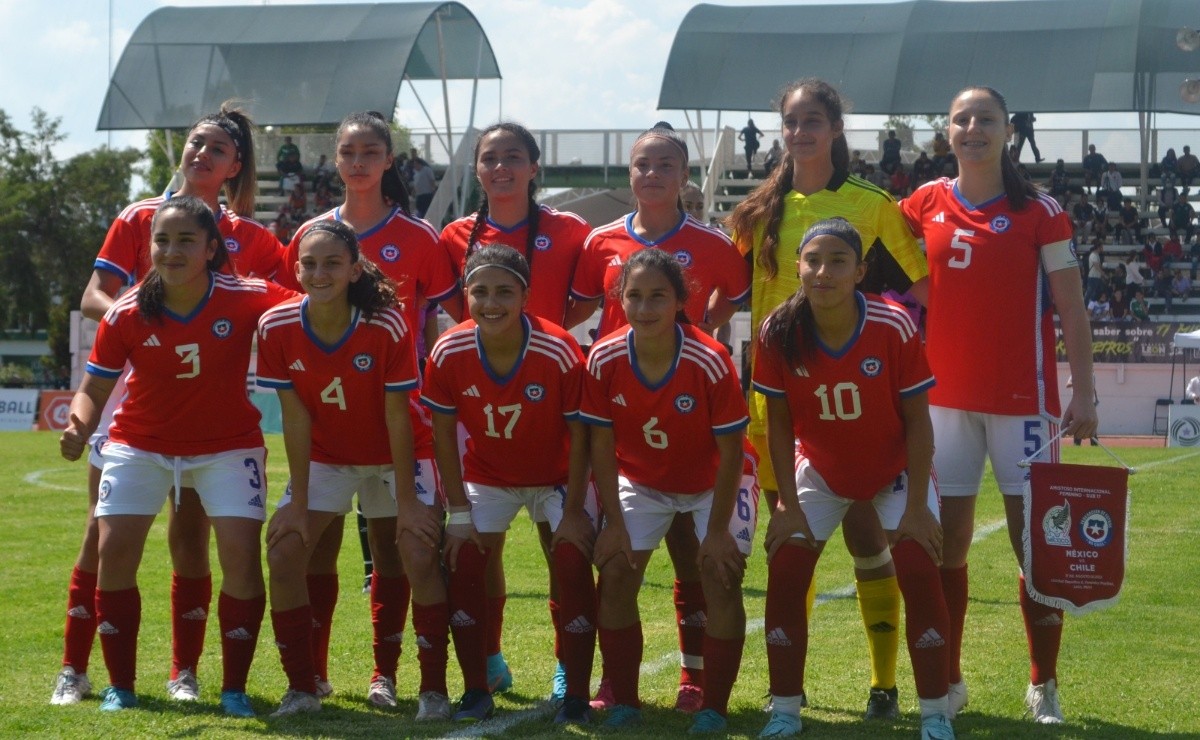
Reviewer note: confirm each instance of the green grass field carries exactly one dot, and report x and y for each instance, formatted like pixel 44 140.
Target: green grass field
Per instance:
pixel 1129 672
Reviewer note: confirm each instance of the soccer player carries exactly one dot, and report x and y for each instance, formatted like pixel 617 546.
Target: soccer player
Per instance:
pixel 844 374
pixel 814 183
pixel 186 329
pixel 506 165
pixel 218 154
pixel 512 381
pixel 666 414
pixel 998 248
pixel 342 360
pixel 405 249
pixel 658 172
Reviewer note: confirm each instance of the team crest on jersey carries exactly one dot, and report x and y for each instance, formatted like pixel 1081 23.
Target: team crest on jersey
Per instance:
pixel 1001 223
pixel 541 242
pixel 684 257
pixel 363 362
pixel 105 489
pixel 389 253
pixel 684 403
pixel 535 392
pixel 871 366
pixel 233 246
pixel 1096 526
pixel 222 328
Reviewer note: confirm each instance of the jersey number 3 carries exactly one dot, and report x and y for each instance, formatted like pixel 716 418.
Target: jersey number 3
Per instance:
pixel 189 354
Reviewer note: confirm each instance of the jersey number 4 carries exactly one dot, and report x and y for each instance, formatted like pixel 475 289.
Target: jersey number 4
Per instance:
pixel 333 394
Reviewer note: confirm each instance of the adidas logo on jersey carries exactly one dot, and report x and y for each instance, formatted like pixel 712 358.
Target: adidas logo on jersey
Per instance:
pixel 297 366
pixel 695 619
pixel 198 614
pixel 930 639
pixel 1050 620
pixel 423 644
pixel 106 628
pixel 620 400
pixel 461 619
pixel 79 612
pixel 473 392
pixel 241 633
pixel 397 638
pixel 744 535
pixel 151 341
pixel 801 372
pixel 579 626
pixel 882 627
pixel 778 637
pixel 940 218
pixel 256 502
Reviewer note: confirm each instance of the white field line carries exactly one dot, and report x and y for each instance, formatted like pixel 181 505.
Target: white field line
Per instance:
pixel 35 479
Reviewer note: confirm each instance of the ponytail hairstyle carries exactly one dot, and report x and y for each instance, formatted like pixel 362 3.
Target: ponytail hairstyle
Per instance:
pixel 763 208
pixel 500 256
pixel 790 328
pixel 152 293
pixel 240 189
pixel 664 130
pixel 392 185
pixel 373 291
pixel 653 258
pixel 531 224
pixel 1017 189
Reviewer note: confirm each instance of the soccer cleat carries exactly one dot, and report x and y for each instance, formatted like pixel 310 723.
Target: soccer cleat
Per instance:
pixel 883 704
pixel 957 698
pixel 708 722
pixel 324 688
pixel 623 715
pixel 499 678
pixel 690 698
pixel 297 702
pixel 433 706
pixel 474 706
pixel 70 688
pixel 558 685
pixel 936 727
pixel 113 699
pixel 782 725
pixel 1042 701
pixel 574 711
pixel 604 696
pixel 236 704
pixel 382 692
pixel 184 687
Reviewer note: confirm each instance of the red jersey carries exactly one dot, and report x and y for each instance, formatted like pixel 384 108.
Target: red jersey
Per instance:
pixel 187 389
pixel 405 248
pixel 708 256
pixel 517 423
pixel 845 405
pixel 552 263
pixel 342 385
pixel 990 329
pixel 253 250
pixel 665 432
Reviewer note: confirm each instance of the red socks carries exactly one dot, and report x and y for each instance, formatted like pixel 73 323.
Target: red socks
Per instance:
pixel 788 576
pixel 954 586
pixel 495 612
pixel 691 618
pixel 293 637
pixel 621 651
pixel 469 612
pixel 926 621
pixel 322 596
pixel 80 629
pixel 240 621
pixel 431 629
pixel 389 607
pixel 119 614
pixel 190 598
pixel 1043 631
pixel 576 622
pixel 722 658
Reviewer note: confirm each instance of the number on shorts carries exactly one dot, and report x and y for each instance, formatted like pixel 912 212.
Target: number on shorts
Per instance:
pixel 255 476
pixel 333 394
pixel 743 504
pixel 656 438
pixel 958 243
pixel 189 354
pixel 846 410
pixel 1033 437
pixel 513 412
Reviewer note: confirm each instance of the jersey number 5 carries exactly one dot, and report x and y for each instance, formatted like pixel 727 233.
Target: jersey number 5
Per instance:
pixel 957 242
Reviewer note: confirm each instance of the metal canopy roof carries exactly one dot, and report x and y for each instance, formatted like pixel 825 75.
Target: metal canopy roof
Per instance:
pixel 289 64
pixel 912 57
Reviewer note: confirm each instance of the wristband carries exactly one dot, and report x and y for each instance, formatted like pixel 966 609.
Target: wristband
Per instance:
pixel 459 517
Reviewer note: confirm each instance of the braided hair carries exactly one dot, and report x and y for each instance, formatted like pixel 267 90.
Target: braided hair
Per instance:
pixel 535 153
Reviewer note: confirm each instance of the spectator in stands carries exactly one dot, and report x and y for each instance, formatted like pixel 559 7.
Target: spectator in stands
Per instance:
pixel 1118 278
pixel 774 154
pixel 1194 254
pixel 857 165
pixel 1172 248
pixel 922 170
pixel 1192 393
pixel 1099 309
pixel 287 150
pixel 287 163
pixel 941 152
pixel 1166 168
pixel 692 199
pixel 1094 165
pixel 1167 195
pixel 899 184
pixel 1130 223
pixel 1188 168
pixel 876 177
pixel 1100 227
pixel 891 153
pixel 424 185
pixel 1119 306
pixel 407 165
pixel 1110 187
pixel 1162 285
pixel 1139 309
pixel 1083 214
pixel 1023 127
pixel 1095 272
pixel 1181 285
pixel 322 173
pixel 282 228
pixel 1059 183
pixel 1182 218
pixel 750 134
pixel 322 198
pixel 297 203
pixel 1152 252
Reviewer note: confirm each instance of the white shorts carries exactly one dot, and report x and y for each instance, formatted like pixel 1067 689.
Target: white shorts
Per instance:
pixel 231 483
pixel 331 488
pixel 493 508
pixel 824 509
pixel 100 436
pixel 648 513
pixel 963 438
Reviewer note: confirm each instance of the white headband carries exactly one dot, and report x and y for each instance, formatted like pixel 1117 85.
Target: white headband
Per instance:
pixel 506 268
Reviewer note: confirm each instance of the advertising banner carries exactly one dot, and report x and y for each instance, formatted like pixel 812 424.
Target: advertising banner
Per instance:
pixel 18 409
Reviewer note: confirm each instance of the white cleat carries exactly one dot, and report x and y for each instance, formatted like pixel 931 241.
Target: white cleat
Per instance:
pixel 957 697
pixel 382 692
pixel 70 688
pixel 184 687
pixel 1042 701
pixel 433 707
pixel 297 702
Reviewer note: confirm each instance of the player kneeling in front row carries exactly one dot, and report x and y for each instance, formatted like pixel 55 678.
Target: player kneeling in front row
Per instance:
pixel 846 375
